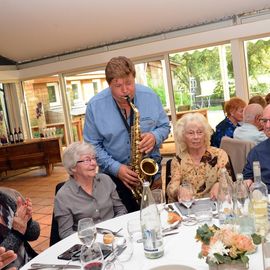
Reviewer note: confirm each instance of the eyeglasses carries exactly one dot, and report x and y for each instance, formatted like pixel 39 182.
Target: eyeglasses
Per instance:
pixel 86 161
pixel 264 120
pixel 192 133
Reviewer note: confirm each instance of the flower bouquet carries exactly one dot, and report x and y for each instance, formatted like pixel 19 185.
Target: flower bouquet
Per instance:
pixel 225 246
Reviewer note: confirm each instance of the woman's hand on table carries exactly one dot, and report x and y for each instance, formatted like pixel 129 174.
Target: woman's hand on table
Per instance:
pixel 214 191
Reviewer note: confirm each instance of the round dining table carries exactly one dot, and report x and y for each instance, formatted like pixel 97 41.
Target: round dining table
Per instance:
pixel 180 249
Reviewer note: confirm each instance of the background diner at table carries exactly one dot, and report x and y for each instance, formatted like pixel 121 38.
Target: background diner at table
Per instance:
pixel 233 109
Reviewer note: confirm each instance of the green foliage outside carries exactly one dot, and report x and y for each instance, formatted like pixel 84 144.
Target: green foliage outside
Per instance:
pixel 203 65
pixel 259 66
pixel 159 90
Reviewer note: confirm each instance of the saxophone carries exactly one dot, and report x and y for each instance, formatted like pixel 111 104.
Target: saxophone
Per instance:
pixel 145 167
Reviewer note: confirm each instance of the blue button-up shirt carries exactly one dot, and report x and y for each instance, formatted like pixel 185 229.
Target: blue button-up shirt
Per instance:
pixel 104 128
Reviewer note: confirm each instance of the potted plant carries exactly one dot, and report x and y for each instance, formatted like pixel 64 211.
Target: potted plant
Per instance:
pixel 225 248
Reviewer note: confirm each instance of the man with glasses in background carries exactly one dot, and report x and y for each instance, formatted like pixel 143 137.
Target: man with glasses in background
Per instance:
pixel 261 153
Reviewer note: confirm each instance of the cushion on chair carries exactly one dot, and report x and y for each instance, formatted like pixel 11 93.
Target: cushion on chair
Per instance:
pixel 237 150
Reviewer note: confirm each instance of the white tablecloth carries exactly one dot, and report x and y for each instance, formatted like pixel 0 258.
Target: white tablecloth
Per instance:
pixel 180 249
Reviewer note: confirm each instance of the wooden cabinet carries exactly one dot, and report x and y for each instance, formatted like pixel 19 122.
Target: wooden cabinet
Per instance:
pixel 35 152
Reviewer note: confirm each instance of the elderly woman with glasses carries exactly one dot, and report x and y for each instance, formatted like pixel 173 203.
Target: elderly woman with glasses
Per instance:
pixel 86 193
pixel 197 161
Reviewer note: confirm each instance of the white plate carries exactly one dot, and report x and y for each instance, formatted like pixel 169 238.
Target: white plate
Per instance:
pixel 164 223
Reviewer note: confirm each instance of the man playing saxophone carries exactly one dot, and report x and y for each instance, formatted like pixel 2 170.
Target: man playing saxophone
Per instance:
pixel 108 126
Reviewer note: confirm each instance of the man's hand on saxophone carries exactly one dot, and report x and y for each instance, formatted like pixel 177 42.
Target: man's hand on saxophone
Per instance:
pixel 127 176
pixel 147 142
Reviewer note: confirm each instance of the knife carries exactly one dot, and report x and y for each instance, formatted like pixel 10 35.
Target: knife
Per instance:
pixel 58 266
pixel 104 231
pixel 165 234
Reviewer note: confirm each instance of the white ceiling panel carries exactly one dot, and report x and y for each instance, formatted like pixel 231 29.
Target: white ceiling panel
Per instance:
pixel 35 29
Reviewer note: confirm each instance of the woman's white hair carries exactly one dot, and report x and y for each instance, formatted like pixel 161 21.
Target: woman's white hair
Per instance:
pixel 180 129
pixel 73 153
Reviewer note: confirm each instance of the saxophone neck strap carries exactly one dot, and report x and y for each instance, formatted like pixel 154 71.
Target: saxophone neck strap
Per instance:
pixel 125 119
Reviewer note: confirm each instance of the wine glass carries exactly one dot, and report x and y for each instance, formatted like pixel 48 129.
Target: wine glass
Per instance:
pixel 159 198
pixel 87 231
pixel 186 197
pixel 91 257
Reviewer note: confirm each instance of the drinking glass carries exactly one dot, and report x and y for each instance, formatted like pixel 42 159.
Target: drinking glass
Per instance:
pixel 159 198
pixel 87 231
pixel 91 257
pixel 134 229
pixel 186 197
pixel 122 249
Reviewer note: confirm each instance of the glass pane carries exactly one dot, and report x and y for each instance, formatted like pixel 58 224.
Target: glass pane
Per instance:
pixel 151 74
pixel 203 79
pixel 258 61
pixel 44 107
pixel 80 88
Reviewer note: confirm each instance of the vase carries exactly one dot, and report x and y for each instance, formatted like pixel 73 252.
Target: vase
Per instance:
pixel 229 266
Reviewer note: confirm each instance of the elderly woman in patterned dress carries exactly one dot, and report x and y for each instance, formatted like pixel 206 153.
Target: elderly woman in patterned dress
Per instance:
pixel 197 162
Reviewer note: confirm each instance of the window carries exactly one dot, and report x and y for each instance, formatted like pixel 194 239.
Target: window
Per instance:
pixel 53 93
pixel 258 61
pixel 76 92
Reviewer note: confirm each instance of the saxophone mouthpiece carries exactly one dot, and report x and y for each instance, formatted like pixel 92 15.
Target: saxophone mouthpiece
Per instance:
pixel 127 98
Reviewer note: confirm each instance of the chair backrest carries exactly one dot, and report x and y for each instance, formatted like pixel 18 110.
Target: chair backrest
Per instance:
pixel 237 150
pixel 54 238
pixel 167 176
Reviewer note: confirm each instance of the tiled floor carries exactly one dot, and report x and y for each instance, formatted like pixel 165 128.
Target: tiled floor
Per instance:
pixel 40 189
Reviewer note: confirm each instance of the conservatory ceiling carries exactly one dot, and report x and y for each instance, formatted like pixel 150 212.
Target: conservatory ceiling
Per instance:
pixel 36 29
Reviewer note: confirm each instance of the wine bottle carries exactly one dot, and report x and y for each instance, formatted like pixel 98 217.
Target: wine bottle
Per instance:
pixel 20 135
pixel 11 137
pixel 150 225
pixel 16 137
pixel 225 199
pixel 259 195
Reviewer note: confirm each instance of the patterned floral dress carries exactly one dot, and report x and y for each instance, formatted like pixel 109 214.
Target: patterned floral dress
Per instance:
pixel 202 177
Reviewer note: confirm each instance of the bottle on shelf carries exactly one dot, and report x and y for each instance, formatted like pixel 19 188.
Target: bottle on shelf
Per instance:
pixel 11 137
pixel 259 196
pixel 20 135
pixel 225 199
pixel 150 225
pixel 16 137
pixel 244 213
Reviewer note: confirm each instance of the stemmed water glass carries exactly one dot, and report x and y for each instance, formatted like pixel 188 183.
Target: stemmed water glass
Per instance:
pixel 186 197
pixel 91 257
pixel 87 231
pixel 159 198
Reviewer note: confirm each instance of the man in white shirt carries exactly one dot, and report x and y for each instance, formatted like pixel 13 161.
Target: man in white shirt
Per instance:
pixel 251 127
